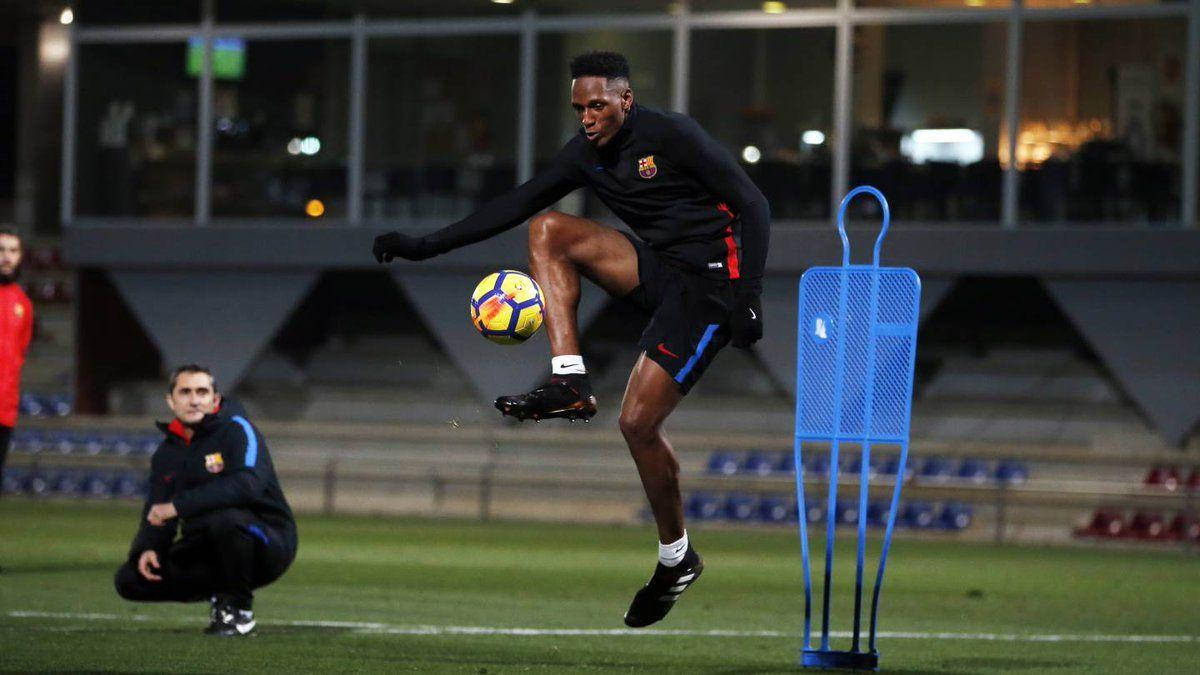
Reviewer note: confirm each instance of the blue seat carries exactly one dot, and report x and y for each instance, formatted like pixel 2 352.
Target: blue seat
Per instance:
pixel 955 516
pixel 98 484
pixel 776 509
pixel 129 485
pixel 14 480
pixel 974 471
pixel 740 507
pixel 847 512
pixel 68 484
pixel 877 513
pixel 147 445
pixel 936 470
pixel 93 443
pixel 58 405
pixel 704 506
pixel 1012 472
pixel 920 515
pixel 61 442
pixel 758 463
pixel 786 463
pixel 816 464
pixel 30 405
pixel 27 441
pixel 722 463
pixel 39 482
pixel 814 511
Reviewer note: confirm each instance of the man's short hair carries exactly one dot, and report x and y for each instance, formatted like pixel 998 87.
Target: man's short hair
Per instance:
pixel 11 232
pixel 609 65
pixel 189 368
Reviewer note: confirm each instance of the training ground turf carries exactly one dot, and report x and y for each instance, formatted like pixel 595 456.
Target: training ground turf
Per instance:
pixel 376 594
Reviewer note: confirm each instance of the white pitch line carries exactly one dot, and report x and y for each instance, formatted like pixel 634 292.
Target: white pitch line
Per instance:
pixel 371 627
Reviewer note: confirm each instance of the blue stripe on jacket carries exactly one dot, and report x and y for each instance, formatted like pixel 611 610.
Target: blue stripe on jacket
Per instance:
pixel 251 440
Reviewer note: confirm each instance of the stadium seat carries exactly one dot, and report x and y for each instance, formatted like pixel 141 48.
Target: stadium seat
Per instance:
pixel 27 441
pixel 814 511
pixel 847 512
pixel 1104 523
pixel 98 485
pixel 1183 528
pixel 974 471
pixel 1012 472
pixel 704 506
pixel 14 480
pixel 129 485
pixel 758 463
pixel 92 444
pixel 854 466
pixel 816 464
pixel 936 470
pixel 890 466
pixel 1146 525
pixel 955 516
pixel 919 515
pixel 877 513
pixel 30 405
pixel 67 484
pixel 61 442
pixel 722 463
pixel 786 462
pixel 739 507
pixel 38 482
pixel 776 509
pixel 1165 477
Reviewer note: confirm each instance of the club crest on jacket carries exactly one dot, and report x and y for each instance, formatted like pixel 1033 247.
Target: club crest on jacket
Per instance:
pixel 214 462
pixel 646 167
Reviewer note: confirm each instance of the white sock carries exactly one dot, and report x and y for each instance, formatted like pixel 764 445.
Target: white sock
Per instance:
pixel 569 364
pixel 671 554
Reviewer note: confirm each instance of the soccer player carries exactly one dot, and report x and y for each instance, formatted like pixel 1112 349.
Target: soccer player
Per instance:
pixel 212 471
pixel 16 328
pixel 696 265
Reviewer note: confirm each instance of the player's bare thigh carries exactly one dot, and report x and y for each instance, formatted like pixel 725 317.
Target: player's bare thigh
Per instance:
pixel 600 253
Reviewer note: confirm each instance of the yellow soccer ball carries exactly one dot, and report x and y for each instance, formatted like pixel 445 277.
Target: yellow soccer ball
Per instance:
pixel 506 307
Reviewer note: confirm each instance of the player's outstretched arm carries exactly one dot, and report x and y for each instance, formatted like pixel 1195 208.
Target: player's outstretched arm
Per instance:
pixel 499 215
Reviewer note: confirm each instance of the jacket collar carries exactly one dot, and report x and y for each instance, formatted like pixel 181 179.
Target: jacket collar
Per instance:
pixel 620 138
pixel 178 430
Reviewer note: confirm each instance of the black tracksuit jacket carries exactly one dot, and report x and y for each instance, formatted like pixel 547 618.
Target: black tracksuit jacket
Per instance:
pixel 665 177
pixel 226 464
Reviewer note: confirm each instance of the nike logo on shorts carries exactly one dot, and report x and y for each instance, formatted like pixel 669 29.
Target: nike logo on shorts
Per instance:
pixel 663 348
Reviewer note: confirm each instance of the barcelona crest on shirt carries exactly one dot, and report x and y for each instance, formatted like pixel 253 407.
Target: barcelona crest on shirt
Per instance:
pixel 646 167
pixel 214 462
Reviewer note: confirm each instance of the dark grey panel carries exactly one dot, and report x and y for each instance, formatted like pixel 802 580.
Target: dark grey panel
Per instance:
pixel 442 298
pixel 218 320
pixel 930 251
pixel 1147 333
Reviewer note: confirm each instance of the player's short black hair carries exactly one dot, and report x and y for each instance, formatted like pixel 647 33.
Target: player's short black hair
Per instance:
pixel 189 368
pixel 10 232
pixel 609 65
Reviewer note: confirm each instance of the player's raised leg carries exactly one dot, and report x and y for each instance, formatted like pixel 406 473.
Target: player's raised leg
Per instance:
pixel 562 248
pixel 650 397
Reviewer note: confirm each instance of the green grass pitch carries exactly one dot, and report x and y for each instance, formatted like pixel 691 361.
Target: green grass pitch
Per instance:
pixel 412 595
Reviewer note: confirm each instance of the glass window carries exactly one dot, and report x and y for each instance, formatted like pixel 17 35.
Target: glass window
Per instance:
pixel 767 95
pixel 767 7
pixel 928 101
pixel 1101 120
pixel 283 10
pixel 650 59
pixel 135 149
pixel 1080 4
pixel 938 4
pixel 279 142
pixel 441 125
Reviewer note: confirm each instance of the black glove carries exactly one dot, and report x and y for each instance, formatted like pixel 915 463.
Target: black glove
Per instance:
pixel 397 245
pixel 745 323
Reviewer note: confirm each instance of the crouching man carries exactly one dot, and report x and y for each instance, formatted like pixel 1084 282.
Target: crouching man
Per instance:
pixel 213 473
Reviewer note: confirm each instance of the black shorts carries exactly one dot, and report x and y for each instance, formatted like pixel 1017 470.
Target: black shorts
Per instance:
pixel 689 320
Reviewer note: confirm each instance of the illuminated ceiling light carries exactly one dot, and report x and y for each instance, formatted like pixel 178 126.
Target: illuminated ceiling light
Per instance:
pixel 293 146
pixel 751 154
pixel 1083 2
pixel 67 17
pixel 502 2
pixel 315 208
pixel 812 137
pixel 774 7
pixel 310 145
pixel 975 3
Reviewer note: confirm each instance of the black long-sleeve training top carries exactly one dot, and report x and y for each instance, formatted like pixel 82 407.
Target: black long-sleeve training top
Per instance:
pixel 225 464
pixel 666 178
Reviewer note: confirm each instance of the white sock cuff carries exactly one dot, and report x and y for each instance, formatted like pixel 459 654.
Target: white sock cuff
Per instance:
pixel 568 364
pixel 671 554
